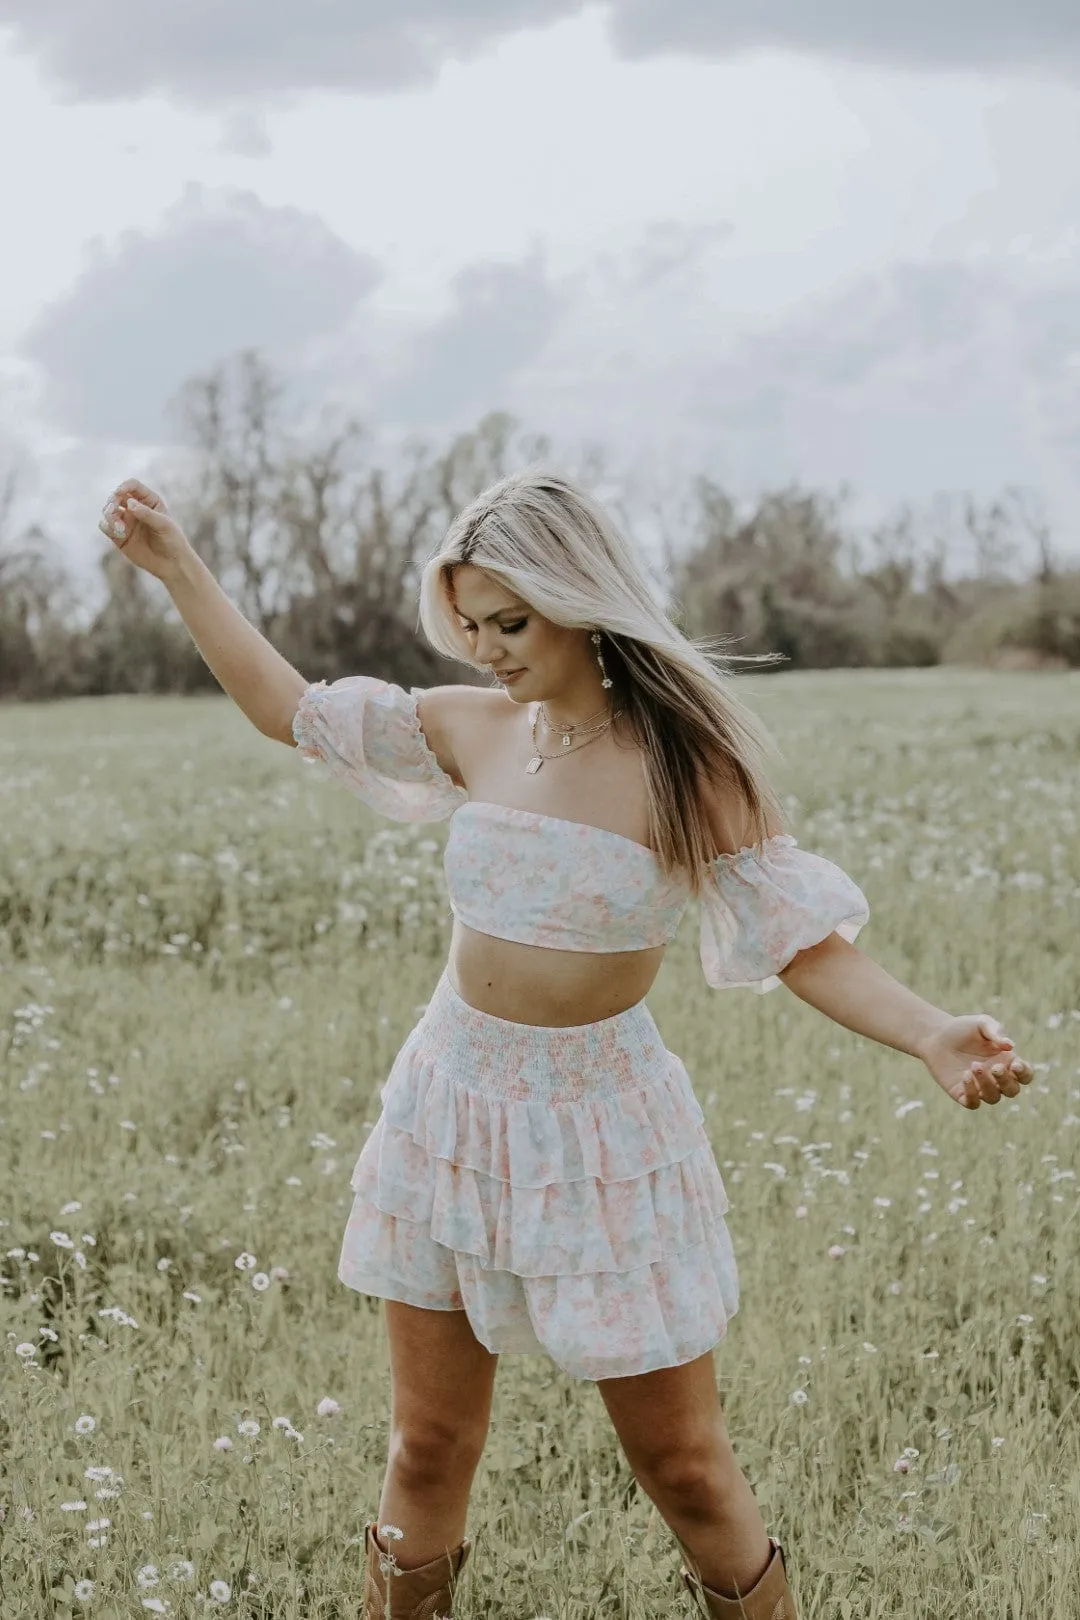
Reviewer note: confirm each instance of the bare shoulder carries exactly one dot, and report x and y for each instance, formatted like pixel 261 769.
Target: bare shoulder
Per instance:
pixel 453 717
pixel 730 820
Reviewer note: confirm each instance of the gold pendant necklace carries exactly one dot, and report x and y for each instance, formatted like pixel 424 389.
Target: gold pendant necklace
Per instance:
pixel 568 731
pixel 539 756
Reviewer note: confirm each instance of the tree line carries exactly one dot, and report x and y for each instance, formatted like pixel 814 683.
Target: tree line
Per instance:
pixel 320 539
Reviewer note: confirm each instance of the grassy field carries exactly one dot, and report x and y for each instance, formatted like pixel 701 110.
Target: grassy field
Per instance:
pixel 209 959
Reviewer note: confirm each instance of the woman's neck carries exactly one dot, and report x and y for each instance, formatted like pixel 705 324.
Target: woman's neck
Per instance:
pixel 569 709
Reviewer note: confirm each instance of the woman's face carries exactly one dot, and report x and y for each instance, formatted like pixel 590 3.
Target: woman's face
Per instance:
pixel 532 658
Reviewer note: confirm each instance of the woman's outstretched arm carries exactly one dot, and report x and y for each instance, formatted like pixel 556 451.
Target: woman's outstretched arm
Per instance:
pixel 970 1057
pixel 258 679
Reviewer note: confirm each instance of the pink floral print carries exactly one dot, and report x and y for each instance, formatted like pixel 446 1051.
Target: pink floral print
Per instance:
pixel 558 1185
pixel 541 880
pixel 366 733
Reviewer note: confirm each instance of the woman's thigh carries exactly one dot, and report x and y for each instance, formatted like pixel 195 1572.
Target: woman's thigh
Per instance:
pixel 442 1378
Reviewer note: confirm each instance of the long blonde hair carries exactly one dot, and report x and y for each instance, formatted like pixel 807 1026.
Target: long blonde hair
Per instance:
pixel 551 542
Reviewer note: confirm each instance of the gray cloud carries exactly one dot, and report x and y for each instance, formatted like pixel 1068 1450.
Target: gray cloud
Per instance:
pixel 1007 34
pixel 207 54
pixel 223 272
pixel 928 377
pixel 501 320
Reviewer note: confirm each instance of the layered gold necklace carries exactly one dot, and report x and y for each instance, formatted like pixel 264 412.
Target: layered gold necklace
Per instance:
pixel 587 730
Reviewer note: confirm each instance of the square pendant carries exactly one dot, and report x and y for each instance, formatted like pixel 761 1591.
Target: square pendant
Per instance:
pixel 534 765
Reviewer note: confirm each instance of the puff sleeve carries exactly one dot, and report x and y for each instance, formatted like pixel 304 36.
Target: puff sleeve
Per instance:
pixel 367 733
pixel 760 907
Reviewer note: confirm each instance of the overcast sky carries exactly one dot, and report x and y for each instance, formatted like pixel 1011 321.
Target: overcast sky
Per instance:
pixel 770 240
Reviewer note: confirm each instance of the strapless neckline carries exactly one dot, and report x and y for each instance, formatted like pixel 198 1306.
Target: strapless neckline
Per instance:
pixel 562 821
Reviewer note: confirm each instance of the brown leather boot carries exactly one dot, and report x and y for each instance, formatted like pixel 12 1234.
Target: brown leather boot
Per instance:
pixel 426 1593
pixel 769 1599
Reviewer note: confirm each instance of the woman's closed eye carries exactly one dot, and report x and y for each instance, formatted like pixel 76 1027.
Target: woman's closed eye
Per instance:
pixel 505 629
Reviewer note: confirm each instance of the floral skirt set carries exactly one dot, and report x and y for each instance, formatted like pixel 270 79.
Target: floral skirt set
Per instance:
pixel 555 1183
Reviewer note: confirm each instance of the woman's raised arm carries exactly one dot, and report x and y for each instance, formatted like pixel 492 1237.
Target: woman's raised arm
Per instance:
pixel 258 679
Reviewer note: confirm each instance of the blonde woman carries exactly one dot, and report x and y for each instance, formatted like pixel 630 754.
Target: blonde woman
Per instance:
pixel 540 1178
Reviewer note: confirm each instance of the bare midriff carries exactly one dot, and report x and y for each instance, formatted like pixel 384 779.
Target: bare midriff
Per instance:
pixel 532 984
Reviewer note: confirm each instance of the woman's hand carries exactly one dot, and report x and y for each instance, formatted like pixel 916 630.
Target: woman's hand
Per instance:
pixel 974 1061
pixel 137 521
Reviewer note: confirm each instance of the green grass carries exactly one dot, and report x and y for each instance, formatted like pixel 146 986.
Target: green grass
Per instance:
pixel 209 959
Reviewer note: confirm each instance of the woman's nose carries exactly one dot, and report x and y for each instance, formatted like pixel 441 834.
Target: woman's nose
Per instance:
pixel 488 650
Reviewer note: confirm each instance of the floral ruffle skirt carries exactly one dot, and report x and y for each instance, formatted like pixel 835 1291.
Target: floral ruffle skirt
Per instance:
pixel 556 1184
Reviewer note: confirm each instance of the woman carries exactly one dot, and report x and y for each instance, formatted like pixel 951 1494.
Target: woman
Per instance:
pixel 540 1178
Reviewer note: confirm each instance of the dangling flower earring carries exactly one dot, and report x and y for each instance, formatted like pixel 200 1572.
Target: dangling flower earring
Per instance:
pixel 607 681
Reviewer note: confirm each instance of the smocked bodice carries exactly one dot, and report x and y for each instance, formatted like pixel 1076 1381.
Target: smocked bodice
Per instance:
pixel 541 880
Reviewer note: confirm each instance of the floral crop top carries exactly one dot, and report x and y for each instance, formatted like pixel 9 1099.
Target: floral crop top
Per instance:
pixel 540 880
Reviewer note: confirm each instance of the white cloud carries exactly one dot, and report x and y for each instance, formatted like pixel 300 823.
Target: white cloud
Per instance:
pixel 221 273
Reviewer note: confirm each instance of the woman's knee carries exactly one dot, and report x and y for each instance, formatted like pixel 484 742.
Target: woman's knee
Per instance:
pixel 423 1451
pixel 698 1466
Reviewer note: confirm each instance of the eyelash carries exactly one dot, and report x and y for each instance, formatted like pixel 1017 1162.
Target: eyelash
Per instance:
pixel 507 629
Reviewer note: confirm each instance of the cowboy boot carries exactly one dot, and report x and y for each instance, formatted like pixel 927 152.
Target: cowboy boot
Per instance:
pixel 768 1599
pixel 426 1593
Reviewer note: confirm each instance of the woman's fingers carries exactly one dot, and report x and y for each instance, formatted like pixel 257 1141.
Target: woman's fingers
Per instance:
pixel 994 1034
pixel 112 525
pixel 135 486
pixel 114 522
pixel 1008 1084
pixel 988 1086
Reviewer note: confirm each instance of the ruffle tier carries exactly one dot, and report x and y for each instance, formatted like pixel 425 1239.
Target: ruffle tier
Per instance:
pixel 595 1324
pixel 560 1228
pixel 587 1223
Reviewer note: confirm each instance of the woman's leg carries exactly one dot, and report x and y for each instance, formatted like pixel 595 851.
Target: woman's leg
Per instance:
pixel 672 1429
pixel 441 1385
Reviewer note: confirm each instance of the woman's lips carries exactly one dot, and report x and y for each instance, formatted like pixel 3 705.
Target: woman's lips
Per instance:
pixel 506 676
